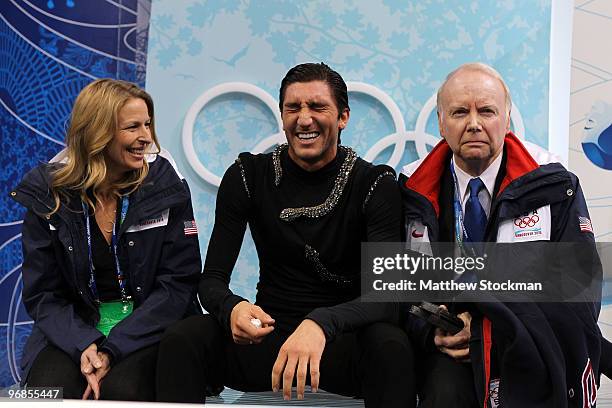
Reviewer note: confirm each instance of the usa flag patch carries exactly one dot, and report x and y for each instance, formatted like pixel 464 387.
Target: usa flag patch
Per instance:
pixel 585 224
pixel 190 228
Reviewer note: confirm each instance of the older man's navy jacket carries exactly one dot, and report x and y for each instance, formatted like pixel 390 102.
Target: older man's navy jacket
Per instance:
pixel 548 353
pixel 160 257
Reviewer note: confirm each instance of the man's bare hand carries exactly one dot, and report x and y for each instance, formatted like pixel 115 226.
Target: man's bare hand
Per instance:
pixel 303 349
pixel 243 330
pixel 456 346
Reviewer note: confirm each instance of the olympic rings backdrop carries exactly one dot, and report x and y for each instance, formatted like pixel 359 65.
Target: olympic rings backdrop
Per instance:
pixel 214 68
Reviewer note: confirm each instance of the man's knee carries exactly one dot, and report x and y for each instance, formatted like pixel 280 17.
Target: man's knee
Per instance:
pixel 193 351
pixel 448 395
pixel 194 331
pixel 386 341
pixel 446 383
pixel 387 366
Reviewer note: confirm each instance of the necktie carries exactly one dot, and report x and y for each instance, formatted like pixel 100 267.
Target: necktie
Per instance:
pixel 475 218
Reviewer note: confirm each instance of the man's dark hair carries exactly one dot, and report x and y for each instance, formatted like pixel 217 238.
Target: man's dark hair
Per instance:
pixel 317 72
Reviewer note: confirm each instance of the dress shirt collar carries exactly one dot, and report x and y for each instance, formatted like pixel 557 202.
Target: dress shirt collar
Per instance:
pixel 488 176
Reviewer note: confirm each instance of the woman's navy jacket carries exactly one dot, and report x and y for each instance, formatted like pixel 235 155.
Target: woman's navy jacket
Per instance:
pixel 158 253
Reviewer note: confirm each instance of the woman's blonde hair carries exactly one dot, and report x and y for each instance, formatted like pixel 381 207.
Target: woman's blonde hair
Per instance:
pixel 93 124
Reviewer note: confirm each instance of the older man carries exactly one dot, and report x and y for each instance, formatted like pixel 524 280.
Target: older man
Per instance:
pixel 309 205
pixel 470 189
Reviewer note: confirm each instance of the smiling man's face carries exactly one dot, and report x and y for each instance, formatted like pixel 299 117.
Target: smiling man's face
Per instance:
pixel 311 122
pixel 474 119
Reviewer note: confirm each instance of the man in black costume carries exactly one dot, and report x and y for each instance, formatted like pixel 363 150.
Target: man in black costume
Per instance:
pixel 309 205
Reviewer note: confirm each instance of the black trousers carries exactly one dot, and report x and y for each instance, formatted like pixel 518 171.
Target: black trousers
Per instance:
pixel 375 363
pixel 444 382
pixel 131 379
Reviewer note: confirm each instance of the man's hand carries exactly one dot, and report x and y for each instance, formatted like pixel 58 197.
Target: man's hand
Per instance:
pixel 243 330
pixel 302 349
pixel 94 367
pixel 456 346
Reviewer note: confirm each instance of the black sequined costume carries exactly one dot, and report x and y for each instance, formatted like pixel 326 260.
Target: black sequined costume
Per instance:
pixel 308 228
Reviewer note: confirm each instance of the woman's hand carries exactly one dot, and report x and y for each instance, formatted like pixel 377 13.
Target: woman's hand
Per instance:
pixel 94 367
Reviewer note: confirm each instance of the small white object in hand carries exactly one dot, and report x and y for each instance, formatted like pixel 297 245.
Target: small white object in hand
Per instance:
pixel 256 323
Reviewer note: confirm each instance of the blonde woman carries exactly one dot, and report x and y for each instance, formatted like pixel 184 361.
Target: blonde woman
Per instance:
pixel 110 246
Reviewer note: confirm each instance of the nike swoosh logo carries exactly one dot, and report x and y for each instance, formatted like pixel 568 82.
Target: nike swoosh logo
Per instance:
pixel 416 234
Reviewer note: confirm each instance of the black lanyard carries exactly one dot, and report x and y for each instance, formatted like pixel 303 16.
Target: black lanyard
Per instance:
pixel 125 203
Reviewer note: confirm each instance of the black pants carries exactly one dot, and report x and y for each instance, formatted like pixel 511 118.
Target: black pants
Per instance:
pixel 375 363
pixel 445 383
pixel 131 379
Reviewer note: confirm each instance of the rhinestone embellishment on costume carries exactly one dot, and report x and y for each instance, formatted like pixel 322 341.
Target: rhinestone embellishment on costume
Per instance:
pixel 242 173
pixel 373 187
pixel 278 170
pixel 312 256
pixel 290 214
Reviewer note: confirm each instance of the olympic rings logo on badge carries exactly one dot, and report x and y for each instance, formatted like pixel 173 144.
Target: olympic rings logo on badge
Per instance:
pixel 527 221
pixel 398 139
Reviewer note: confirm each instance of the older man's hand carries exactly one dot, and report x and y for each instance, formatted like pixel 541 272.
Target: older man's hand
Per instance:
pixel 301 351
pixel 456 346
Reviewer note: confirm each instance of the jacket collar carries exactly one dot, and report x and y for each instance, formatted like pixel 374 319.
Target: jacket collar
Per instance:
pixel 426 178
pixel 162 188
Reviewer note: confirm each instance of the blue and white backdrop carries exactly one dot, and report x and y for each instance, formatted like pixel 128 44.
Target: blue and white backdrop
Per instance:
pixel 214 68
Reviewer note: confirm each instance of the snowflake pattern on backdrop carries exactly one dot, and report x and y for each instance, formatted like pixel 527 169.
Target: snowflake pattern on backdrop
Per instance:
pixel 402 47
